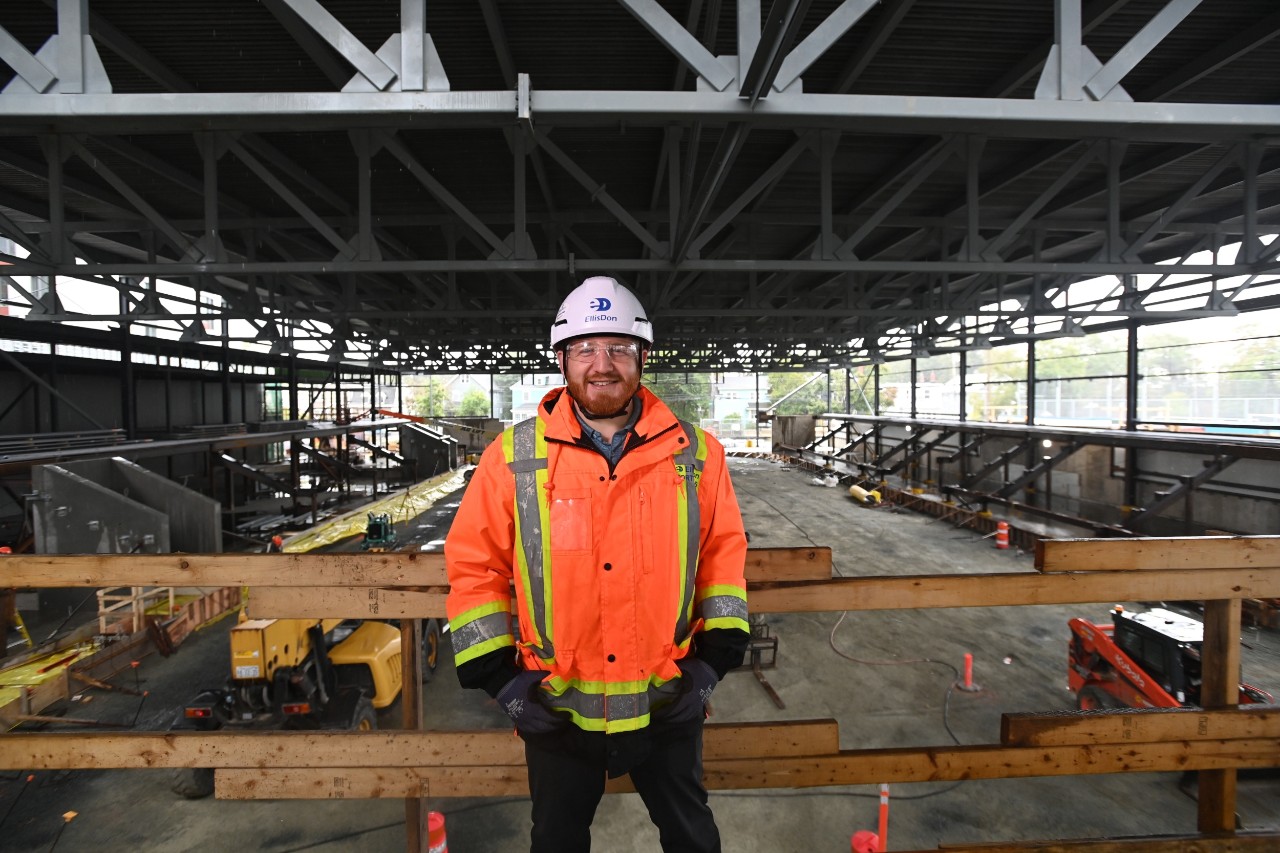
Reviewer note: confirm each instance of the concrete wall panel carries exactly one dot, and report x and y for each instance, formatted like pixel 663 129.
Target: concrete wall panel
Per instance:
pixel 74 515
pixel 195 521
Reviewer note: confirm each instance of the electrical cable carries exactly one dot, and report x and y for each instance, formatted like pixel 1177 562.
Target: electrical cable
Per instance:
pixel 946 702
pixel 831 640
pixel 792 522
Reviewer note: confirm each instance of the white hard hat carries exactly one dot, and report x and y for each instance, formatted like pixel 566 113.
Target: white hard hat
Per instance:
pixel 600 306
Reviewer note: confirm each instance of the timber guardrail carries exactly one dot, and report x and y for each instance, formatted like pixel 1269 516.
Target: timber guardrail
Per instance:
pixel 416 764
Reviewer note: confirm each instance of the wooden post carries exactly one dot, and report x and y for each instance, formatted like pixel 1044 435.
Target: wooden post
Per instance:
pixel 415 808
pixel 1220 688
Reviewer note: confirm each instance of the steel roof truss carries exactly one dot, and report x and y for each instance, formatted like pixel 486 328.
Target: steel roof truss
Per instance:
pixel 1104 82
pixel 680 42
pixel 600 194
pixel 396 146
pixel 10 229
pixel 776 170
pixel 498 37
pixel 1015 228
pixel 820 40
pixel 1243 43
pixel 130 51
pixel 885 25
pixel 342 246
pixel 329 28
pixel 182 242
pixel 29 69
pixel 1229 157
pixel 72 45
pixel 780 29
pixel 848 248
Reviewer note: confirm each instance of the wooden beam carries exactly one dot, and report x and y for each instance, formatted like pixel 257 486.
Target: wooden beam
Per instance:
pixel 1009 589
pixel 1178 552
pixel 864 593
pixel 362 569
pixel 1138 725
pixel 349 783
pixel 384 749
pixel 67 750
pixel 413 709
pixel 848 767
pixel 760 767
pixel 388 568
pixel 928 764
pixel 788 564
pixel 1257 842
pixel 323 602
pixel 1219 688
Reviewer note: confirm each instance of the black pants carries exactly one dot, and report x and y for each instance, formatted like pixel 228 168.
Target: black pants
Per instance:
pixel 567 775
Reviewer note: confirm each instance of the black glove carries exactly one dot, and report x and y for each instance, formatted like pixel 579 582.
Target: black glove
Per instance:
pixel 698 679
pixel 519 698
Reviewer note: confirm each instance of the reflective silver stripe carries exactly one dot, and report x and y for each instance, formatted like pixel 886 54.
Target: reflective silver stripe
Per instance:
pixel 689 458
pixel 525 464
pixel 721 606
pixel 479 631
pixel 618 706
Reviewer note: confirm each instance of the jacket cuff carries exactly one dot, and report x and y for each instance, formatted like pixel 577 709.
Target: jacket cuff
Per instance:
pixel 490 672
pixel 722 648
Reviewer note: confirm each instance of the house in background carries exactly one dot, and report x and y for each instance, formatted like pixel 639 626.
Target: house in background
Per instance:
pixel 526 393
pixel 735 399
pixel 458 386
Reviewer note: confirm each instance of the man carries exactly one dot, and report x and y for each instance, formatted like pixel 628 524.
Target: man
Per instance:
pixel 619 527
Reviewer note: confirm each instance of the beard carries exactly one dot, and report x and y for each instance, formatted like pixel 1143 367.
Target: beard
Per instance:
pixel 603 402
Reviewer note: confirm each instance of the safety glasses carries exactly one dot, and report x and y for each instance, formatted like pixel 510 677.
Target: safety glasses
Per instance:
pixel 586 351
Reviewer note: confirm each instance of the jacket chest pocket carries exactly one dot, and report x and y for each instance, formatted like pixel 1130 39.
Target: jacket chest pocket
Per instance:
pixel 570 522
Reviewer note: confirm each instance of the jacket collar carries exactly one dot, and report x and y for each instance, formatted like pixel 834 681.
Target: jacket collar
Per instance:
pixel 556 411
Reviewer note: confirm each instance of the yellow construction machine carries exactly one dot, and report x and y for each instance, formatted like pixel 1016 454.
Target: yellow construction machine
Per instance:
pixel 303 674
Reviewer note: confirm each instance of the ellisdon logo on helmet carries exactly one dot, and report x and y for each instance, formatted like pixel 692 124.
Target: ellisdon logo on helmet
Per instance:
pixel 599 318
pixel 600 304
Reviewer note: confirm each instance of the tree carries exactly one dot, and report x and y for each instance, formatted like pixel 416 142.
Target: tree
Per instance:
pixel 1252 373
pixel 429 399
pixel 475 404
pixel 997 381
pixel 811 399
pixel 688 395
pixel 1167 354
pixel 1070 358
pixel 861 386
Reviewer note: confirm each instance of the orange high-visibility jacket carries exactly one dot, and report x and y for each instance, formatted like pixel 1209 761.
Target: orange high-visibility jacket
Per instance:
pixel 615 572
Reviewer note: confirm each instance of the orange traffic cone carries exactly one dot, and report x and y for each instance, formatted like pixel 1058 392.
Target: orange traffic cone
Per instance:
pixel 436 840
pixel 1002 535
pixel 864 841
